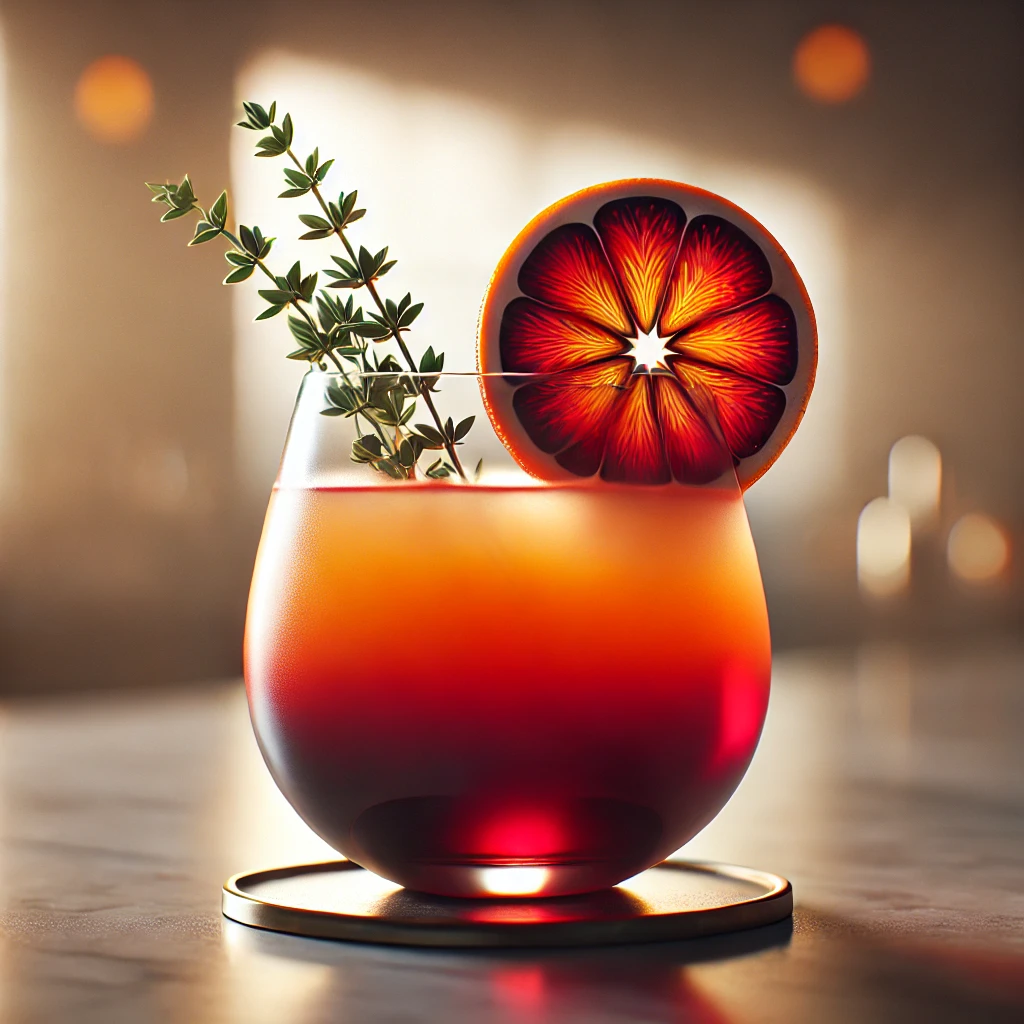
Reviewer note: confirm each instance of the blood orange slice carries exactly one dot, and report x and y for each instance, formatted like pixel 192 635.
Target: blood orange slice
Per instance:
pixel 646 331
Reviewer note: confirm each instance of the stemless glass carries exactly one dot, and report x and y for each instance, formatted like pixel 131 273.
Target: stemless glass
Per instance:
pixel 498 685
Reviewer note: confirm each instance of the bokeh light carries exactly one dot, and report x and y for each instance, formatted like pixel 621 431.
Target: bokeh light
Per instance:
pixel 114 99
pixel 832 64
pixel 883 548
pixel 915 477
pixel 978 549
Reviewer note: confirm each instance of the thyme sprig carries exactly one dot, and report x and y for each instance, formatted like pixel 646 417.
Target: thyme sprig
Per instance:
pixel 362 269
pixel 376 392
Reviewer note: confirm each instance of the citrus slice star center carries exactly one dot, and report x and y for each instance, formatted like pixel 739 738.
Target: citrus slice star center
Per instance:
pixel 648 350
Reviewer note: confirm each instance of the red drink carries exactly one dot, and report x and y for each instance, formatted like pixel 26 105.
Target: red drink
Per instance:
pixel 540 690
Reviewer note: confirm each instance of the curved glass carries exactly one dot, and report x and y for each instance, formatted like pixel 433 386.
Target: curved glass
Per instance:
pixel 490 684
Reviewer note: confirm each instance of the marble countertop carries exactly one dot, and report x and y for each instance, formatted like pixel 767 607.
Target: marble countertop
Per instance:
pixel 889 787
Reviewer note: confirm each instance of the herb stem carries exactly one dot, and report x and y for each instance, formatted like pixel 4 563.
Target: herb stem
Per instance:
pixel 266 270
pixel 395 333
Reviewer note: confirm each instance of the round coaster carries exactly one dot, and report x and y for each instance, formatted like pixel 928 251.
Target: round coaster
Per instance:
pixel 673 900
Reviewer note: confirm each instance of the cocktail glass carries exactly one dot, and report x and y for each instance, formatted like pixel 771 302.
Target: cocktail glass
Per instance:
pixel 493 685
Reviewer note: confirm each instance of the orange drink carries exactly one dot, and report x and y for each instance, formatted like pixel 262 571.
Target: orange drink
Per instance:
pixel 578 690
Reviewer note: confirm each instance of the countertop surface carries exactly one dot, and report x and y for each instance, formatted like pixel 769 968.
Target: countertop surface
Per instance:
pixel 888 787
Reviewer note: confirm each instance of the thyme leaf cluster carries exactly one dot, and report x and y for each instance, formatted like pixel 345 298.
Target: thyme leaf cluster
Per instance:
pixel 379 391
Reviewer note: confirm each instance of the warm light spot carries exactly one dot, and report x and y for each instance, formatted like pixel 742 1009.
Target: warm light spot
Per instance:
pixel 883 548
pixel 513 881
pixel 915 477
pixel 114 99
pixel 831 64
pixel 978 548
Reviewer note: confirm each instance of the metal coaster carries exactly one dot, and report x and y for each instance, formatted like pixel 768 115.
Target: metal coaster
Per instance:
pixel 673 900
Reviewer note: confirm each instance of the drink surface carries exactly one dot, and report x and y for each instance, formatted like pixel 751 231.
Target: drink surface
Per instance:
pixel 534 690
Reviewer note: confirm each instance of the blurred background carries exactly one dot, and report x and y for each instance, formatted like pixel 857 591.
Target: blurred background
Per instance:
pixel 142 411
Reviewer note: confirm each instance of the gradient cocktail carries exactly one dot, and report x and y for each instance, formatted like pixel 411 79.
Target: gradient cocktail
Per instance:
pixel 538 689
pixel 544 677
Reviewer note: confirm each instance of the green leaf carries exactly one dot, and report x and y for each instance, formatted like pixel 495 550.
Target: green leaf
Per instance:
pixel 270 311
pixel 293 193
pixel 349 268
pixel 239 275
pixel 321 171
pixel 365 260
pixel 204 233
pixel 432 438
pixel 173 215
pixel 288 129
pixel 183 194
pixel 274 296
pixel 464 427
pixel 297 178
pixel 249 242
pixel 478 469
pixel 311 161
pixel 239 259
pixel 410 314
pixel 371 443
pixel 385 267
pixel 303 333
pixel 406 454
pixel 369 330
pixel 438 470
pixel 219 210
pixel 312 221
pixel 354 216
pixel 270 146
pixel 272 116
pixel 325 312
pixel 294 276
pixel 257 115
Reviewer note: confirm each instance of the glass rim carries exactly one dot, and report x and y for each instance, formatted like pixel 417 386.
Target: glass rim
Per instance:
pixel 474 374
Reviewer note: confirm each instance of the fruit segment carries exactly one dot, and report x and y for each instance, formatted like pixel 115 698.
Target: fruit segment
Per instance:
pixel 718 267
pixel 641 238
pixel 747 410
pixel 538 339
pixel 696 453
pixel 563 409
pixel 634 453
pixel 758 340
pixel 568 270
